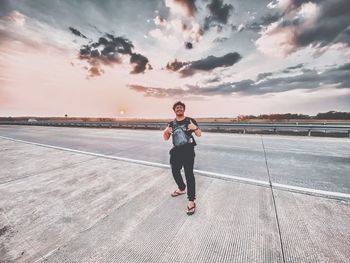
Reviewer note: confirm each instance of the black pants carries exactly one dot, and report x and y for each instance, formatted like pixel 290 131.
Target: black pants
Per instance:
pixel 183 156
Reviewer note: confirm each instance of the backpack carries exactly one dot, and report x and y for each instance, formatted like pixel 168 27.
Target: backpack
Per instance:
pixel 180 136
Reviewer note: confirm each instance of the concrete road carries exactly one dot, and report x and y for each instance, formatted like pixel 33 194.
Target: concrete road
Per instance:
pixel 60 206
pixel 308 162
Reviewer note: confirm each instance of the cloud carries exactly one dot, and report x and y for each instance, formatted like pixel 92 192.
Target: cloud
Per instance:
pixel 95 71
pixel 263 75
pixel 262 22
pixel 160 21
pixel 220 39
pixel 240 28
pixel 266 83
pixel 77 32
pixel 179 26
pixel 16 27
pixel 187 7
pixel 332 23
pixel 213 62
pixel 307 23
pixel 288 6
pixel 188 45
pixel 189 21
pixel 187 69
pixel 213 80
pixel 296 66
pixel 140 63
pixel 108 51
pixel 176 65
pixel 338 77
pixel 158 92
pixel 292 68
pixel 218 13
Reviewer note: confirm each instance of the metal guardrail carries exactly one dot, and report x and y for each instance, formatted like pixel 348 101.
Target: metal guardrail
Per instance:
pixel 275 128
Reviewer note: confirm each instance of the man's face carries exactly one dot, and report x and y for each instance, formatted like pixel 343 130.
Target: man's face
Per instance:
pixel 179 110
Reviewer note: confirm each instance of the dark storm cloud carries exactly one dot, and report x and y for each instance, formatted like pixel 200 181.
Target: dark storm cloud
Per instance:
pixel 187 69
pixel 112 44
pixel 77 32
pixel 176 65
pixel 219 13
pixel 188 45
pixel 332 23
pixel 308 79
pixel 140 63
pixel 331 26
pixel 108 50
pixel 212 62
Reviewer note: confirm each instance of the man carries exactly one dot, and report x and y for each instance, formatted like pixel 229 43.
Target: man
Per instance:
pixel 182 154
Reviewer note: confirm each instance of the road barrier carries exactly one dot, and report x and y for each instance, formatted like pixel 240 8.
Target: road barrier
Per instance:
pixel 317 129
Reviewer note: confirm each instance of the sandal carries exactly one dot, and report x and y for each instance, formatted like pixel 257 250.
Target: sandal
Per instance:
pixel 190 211
pixel 176 193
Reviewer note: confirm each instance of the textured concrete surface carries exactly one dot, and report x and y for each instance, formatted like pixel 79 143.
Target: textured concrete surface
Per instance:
pixel 58 206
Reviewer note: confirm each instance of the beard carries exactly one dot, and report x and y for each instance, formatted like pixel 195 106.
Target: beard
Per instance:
pixel 179 114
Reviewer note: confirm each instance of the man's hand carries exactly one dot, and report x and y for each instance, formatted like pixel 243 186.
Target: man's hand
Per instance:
pixel 169 130
pixel 191 126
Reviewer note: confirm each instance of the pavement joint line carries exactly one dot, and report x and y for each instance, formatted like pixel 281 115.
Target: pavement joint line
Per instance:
pixel 284 187
pixel 273 200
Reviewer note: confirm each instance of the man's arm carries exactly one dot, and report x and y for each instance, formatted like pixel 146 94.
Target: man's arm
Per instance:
pixel 167 132
pixel 194 127
pixel 198 132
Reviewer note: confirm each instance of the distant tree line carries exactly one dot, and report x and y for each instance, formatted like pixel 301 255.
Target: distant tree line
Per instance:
pixel 334 115
pixel 330 115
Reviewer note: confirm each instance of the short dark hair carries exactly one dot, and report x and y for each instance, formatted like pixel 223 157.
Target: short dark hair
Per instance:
pixel 179 103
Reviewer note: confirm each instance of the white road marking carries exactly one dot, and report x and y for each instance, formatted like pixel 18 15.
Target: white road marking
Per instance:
pixel 304 190
pixel 291 188
pixel 90 153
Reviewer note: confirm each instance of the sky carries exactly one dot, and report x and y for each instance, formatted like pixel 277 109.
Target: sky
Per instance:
pixel 128 58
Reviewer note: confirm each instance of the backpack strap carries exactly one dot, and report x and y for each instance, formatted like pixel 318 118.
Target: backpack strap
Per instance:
pixel 175 123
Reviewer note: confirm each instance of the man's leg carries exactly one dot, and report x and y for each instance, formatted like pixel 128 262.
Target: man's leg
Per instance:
pixel 190 180
pixel 176 165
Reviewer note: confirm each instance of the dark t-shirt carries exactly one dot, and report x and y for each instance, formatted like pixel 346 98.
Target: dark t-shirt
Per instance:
pixel 184 123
